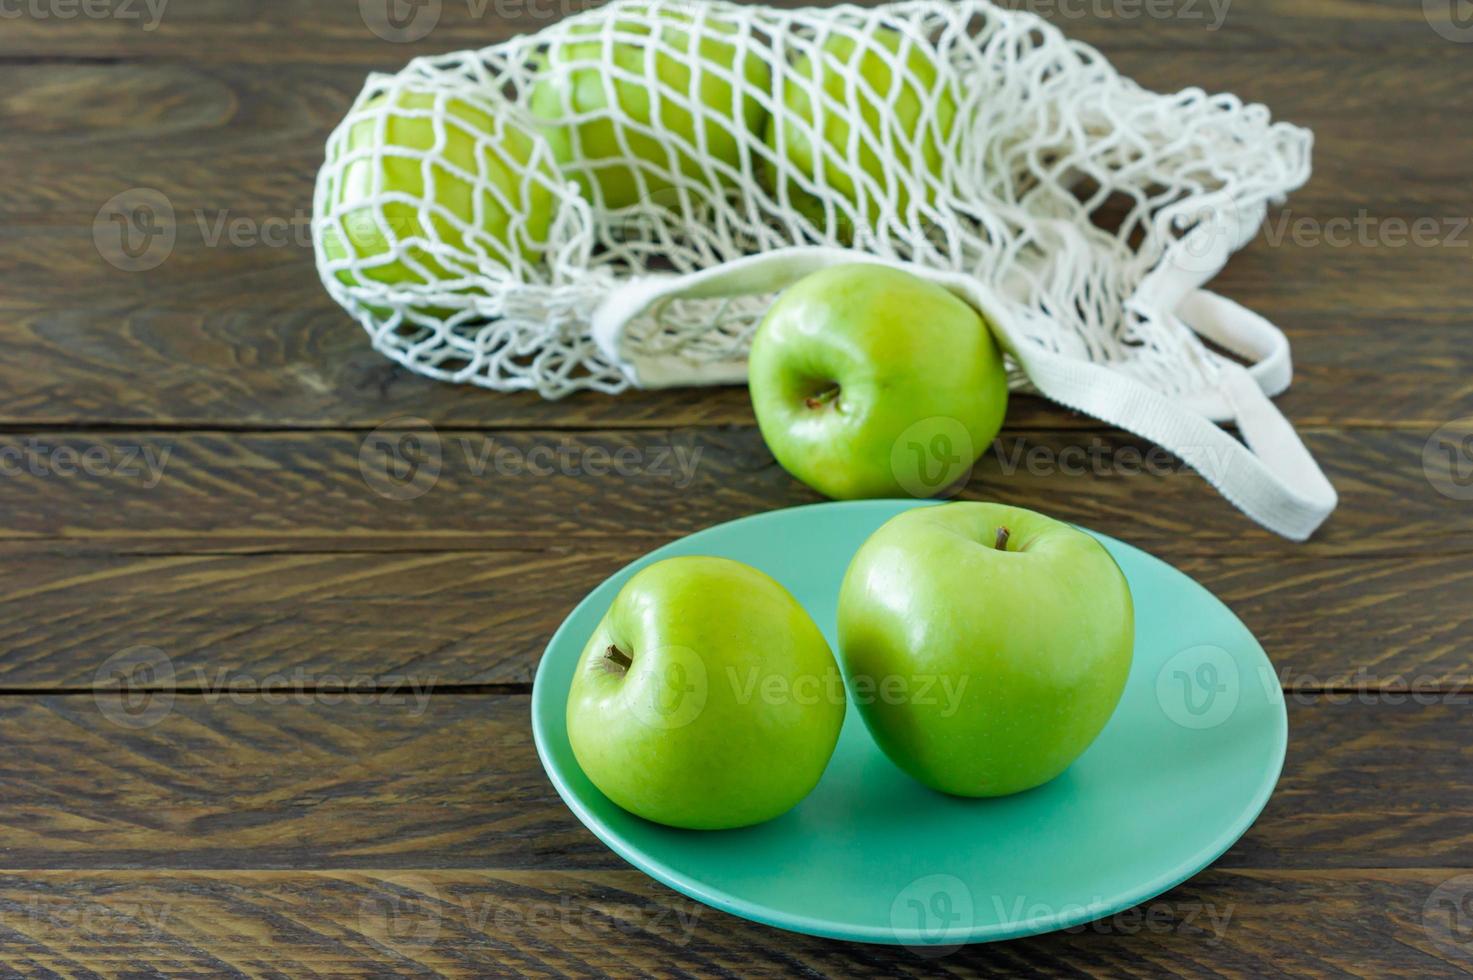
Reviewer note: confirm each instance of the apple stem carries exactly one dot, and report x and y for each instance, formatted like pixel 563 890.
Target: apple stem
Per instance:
pixel 618 658
pixel 1001 544
pixel 822 398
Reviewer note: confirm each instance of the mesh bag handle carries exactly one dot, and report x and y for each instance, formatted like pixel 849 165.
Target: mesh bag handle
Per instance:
pixel 1270 476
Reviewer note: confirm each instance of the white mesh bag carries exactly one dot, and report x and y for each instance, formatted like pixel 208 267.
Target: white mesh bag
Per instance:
pixel 615 201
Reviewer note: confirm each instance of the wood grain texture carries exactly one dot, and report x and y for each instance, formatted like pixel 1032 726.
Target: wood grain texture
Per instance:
pixel 178 492
pixel 332 772
pixel 232 336
pixel 1365 624
pixel 228 135
pixel 294 770
pixel 306 365
pixel 240 332
pixel 619 923
pixel 276 31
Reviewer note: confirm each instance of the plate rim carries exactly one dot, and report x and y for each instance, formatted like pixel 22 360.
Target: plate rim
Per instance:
pixel 828 929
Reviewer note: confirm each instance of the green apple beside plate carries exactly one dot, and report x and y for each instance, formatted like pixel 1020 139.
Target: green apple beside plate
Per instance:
pixel 1180 772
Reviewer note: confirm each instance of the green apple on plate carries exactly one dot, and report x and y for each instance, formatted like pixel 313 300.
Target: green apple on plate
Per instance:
pixel 656 101
pixel 1027 620
pixel 897 122
pixel 872 855
pixel 488 196
pixel 868 381
pixel 706 698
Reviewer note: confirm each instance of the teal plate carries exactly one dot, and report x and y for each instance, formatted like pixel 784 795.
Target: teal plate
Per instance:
pixel 1180 772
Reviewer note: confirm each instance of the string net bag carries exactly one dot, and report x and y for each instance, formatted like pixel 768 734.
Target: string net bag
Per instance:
pixel 616 200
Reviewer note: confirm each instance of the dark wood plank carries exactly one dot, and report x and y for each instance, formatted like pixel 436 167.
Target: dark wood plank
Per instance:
pixel 619 923
pixel 1358 625
pixel 276 31
pixel 227 135
pixel 299 363
pixel 312 367
pixel 1353 625
pixel 172 492
pixel 242 334
pixel 247 336
pixel 455 617
pixel 390 778
pixel 293 770
pixel 1335 806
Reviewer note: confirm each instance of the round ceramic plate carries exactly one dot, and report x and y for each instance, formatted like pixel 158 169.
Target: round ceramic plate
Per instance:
pixel 1180 772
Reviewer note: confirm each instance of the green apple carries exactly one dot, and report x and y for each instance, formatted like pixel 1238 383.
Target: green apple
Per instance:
pixel 656 101
pixel 904 119
pixel 1004 637
pixel 706 698
pixel 868 381
pixel 504 220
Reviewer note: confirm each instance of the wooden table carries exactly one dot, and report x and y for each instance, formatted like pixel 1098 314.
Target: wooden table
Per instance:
pixel 332 770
